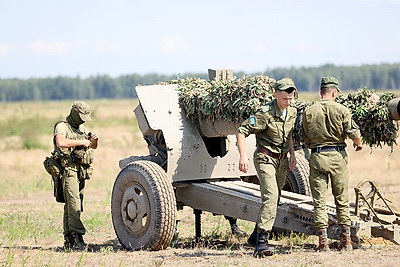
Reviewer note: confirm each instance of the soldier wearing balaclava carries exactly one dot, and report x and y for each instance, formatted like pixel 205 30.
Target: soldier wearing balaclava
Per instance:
pixel 74 146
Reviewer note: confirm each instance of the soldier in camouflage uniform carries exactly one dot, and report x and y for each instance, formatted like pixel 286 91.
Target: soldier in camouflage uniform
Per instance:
pixel 273 125
pixel 73 145
pixel 326 125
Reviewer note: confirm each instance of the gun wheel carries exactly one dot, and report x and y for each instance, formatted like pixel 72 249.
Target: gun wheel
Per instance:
pixel 297 180
pixel 143 207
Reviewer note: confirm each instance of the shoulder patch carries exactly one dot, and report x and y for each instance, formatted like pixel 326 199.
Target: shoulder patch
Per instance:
pixel 252 120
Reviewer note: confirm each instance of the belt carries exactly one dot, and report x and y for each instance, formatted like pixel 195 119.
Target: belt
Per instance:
pixel 327 148
pixel 299 147
pixel 272 154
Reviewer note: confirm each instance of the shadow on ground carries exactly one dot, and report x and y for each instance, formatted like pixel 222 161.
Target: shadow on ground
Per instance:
pixel 237 246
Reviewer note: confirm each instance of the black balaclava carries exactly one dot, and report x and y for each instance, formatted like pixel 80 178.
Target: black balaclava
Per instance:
pixel 74 119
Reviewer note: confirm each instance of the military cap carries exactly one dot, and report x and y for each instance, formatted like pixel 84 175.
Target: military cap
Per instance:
pixel 330 82
pixel 284 84
pixel 83 110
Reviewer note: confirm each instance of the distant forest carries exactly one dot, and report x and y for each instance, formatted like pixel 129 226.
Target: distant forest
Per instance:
pixel 381 76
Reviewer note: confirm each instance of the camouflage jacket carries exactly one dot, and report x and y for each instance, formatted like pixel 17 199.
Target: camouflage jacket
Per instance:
pixel 272 129
pixel 328 123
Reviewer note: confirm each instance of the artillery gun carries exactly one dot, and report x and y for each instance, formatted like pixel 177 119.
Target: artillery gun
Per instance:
pixel 196 165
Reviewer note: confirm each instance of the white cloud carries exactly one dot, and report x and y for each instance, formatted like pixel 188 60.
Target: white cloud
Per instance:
pixel 54 48
pixel 4 49
pixel 103 46
pixel 174 44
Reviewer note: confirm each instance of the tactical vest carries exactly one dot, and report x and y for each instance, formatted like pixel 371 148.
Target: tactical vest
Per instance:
pixel 79 155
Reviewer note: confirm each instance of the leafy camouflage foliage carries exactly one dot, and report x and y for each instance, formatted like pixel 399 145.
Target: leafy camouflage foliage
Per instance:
pixel 235 100
pixel 229 100
pixel 298 133
pixel 370 112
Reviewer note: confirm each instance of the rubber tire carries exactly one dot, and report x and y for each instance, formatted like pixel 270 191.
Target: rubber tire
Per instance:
pixel 142 189
pixel 297 181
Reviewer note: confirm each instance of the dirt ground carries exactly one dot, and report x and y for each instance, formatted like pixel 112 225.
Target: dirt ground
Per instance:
pixel 105 250
pixel 379 165
pixel 386 256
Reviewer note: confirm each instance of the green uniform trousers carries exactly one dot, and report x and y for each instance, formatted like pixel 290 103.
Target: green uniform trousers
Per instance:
pixel 73 194
pixel 272 176
pixel 333 165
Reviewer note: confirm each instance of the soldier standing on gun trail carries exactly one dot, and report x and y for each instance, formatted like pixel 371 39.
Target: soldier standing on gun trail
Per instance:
pixel 273 125
pixel 73 146
pixel 326 125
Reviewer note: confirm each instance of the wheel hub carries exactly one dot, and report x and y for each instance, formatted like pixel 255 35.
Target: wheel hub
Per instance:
pixel 135 209
pixel 132 210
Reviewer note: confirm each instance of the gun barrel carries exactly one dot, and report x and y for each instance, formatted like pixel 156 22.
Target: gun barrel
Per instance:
pixel 394 108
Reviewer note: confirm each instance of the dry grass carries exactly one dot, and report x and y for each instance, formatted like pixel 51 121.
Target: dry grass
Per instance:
pixel 30 220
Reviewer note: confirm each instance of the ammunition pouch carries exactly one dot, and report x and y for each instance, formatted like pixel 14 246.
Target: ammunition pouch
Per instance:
pixel 82 155
pixel 85 172
pixel 52 166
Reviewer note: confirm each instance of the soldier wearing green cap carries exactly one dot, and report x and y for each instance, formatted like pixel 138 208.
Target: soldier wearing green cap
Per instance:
pixel 326 125
pixel 272 125
pixel 73 145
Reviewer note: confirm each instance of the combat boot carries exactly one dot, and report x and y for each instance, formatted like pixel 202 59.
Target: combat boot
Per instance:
pixel 323 245
pixel 68 241
pixel 237 231
pixel 345 243
pixel 262 248
pixel 79 244
pixel 252 240
pixel 235 228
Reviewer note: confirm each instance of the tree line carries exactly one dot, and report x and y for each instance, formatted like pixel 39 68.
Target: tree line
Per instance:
pixel 378 76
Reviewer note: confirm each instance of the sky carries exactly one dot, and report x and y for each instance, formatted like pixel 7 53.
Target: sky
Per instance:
pixel 48 38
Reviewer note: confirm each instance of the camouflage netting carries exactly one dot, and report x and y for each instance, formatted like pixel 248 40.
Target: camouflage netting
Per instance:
pixel 229 100
pixel 298 133
pixel 235 100
pixel 371 113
